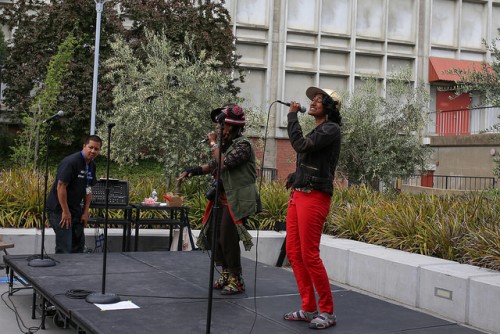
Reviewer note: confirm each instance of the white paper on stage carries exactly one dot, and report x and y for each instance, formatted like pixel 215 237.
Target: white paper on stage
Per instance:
pixel 125 305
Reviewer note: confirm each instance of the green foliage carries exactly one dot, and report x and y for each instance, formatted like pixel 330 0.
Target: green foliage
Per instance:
pixel 162 104
pixel 26 148
pixel 21 198
pixel 6 141
pixel 381 136
pixel 40 27
pixel 462 228
pixel 205 24
pixel 485 80
pixel 3 49
pixel 274 197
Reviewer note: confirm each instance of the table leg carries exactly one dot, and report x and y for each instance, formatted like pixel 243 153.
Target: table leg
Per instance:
pixel 124 237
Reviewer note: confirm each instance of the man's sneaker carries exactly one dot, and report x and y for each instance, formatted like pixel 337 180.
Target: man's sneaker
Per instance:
pixel 323 320
pixel 235 284
pixel 300 315
pixel 221 282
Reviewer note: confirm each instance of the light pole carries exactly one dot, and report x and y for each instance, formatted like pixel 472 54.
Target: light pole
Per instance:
pixel 99 6
pixel 1 69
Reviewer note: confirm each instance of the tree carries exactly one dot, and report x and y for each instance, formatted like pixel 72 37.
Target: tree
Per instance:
pixel 41 26
pixel 44 104
pixel 3 57
pixel 487 81
pixel 207 23
pixel 163 103
pixel 3 49
pixel 382 136
pixel 37 36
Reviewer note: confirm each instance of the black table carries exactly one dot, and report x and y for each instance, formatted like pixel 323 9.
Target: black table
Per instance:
pixel 172 216
pixel 126 221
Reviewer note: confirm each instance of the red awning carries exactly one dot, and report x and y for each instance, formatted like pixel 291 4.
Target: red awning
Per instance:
pixel 439 67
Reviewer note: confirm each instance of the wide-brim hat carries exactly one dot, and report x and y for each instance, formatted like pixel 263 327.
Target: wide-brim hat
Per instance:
pixel 312 91
pixel 234 115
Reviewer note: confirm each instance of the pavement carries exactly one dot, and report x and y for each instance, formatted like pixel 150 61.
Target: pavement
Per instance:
pixel 15 312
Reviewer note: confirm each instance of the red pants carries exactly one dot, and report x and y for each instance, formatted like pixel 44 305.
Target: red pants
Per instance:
pixel 304 225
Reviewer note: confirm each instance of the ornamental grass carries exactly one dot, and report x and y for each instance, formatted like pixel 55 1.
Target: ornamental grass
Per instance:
pixel 463 228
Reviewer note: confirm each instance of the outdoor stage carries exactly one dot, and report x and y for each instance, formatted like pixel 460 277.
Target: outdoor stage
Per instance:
pixel 171 291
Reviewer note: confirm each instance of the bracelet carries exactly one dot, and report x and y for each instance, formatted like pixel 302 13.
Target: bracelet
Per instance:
pixel 213 147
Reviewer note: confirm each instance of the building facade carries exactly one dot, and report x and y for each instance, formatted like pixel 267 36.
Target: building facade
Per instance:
pixel 288 45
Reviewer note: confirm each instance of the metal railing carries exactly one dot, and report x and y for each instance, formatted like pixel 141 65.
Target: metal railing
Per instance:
pixel 463 122
pixel 452 182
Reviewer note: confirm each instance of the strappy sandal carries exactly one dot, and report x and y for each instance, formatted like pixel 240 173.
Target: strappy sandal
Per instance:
pixel 300 315
pixel 323 320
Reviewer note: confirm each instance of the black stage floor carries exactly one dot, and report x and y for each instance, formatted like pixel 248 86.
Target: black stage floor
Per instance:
pixel 171 290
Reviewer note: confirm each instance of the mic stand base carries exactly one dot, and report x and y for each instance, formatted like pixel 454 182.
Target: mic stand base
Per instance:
pixel 47 262
pixel 102 298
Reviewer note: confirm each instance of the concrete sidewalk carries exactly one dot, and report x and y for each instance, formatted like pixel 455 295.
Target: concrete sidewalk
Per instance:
pixel 15 312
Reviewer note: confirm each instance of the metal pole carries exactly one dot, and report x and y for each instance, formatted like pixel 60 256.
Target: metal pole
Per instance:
pixel 1 97
pixel 99 5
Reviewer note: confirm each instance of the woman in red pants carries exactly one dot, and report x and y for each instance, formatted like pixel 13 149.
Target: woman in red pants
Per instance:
pixel 309 204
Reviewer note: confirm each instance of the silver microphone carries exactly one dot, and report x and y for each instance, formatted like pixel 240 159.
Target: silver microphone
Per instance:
pixel 203 140
pixel 53 117
pixel 302 108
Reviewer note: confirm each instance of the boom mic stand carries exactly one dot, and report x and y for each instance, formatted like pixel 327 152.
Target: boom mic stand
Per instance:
pixel 215 220
pixel 103 297
pixel 44 262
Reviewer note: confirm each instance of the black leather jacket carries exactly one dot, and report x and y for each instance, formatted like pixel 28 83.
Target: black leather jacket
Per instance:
pixel 317 154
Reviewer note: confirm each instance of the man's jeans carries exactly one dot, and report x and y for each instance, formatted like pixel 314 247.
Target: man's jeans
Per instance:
pixel 68 240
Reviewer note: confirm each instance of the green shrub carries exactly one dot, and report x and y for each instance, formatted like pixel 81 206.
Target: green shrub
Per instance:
pixel 21 198
pixel 462 228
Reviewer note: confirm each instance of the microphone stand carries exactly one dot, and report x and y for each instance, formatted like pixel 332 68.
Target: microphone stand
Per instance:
pixel 44 262
pixel 103 297
pixel 215 220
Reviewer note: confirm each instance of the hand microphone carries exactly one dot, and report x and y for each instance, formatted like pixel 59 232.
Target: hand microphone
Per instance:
pixel 203 140
pixel 59 114
pixel 302 108
pixel 220 118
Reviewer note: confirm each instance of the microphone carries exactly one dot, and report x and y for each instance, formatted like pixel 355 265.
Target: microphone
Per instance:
pixel 203 140
pixel 110 125
pixel 302 108
pixel 220 117
pixel 51 118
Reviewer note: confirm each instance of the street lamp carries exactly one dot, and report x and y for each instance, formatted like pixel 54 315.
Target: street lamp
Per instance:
pixel 99 6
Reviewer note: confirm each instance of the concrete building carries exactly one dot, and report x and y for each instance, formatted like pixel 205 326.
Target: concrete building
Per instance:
pixel 288 45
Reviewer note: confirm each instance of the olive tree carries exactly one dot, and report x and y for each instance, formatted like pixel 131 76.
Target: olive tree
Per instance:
pixel 163 102
pixel 382 135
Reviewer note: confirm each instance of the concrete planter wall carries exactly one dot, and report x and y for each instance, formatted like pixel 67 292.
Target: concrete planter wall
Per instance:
pixel 461 293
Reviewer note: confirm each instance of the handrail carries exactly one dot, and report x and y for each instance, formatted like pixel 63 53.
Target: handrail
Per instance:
pixel 452 182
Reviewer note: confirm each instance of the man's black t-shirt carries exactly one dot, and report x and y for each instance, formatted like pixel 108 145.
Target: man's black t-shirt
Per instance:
pixel 73 171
